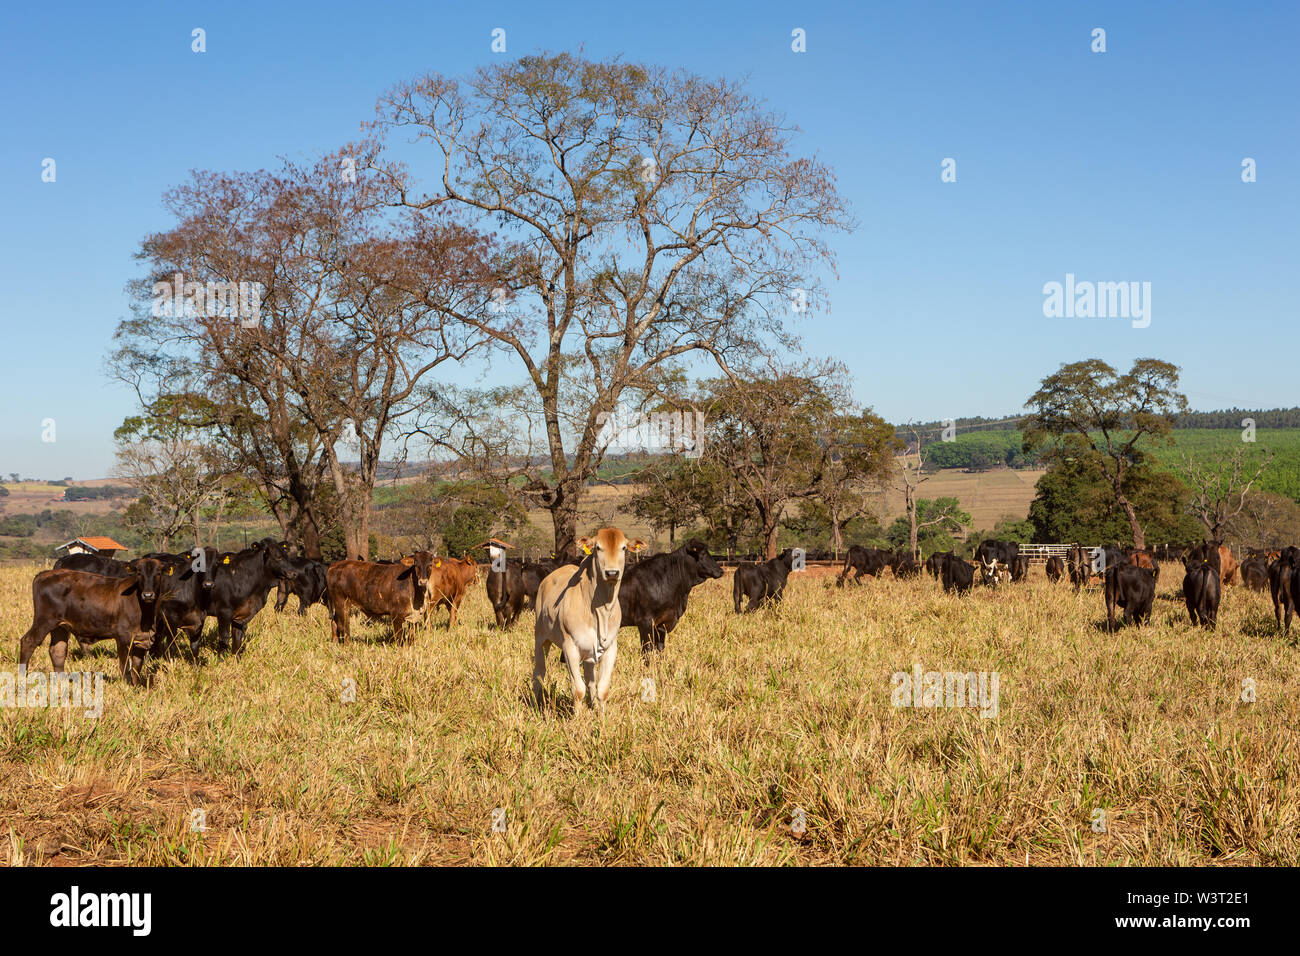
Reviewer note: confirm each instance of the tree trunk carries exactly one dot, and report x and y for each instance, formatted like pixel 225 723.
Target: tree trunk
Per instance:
pixel 564 519
pixel 1139 539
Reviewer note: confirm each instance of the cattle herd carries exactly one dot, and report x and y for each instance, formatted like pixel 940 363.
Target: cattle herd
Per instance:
pixel 579 605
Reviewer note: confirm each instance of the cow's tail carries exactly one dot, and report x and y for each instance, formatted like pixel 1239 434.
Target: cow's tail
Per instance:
pixel 735 589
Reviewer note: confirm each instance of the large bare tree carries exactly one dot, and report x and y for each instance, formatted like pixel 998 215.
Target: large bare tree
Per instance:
pixel 336 347
pixel 1220 485
pixel 648 214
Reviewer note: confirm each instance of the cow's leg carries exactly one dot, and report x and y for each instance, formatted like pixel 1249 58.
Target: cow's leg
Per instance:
pixel 572 659
pixel 539 669
pixel 399 628
pixel 605 674
pixel 58 648
pixel 237 632
pixel 30 641
pixel 453 607
pixel 281 594
pixel 589 679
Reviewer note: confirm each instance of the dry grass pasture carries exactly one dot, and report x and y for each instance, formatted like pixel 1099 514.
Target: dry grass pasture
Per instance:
pixel 756 723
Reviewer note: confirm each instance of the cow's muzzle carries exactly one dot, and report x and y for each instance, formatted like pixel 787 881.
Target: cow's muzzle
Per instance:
pixel 612 574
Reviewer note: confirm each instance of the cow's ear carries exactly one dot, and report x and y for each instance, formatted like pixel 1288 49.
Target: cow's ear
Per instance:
pixel 636 545
pixel 585 544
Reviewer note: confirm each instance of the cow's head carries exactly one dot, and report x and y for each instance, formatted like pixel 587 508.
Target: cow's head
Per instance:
pixel 989 570
pixel 146 574
pixel 418 566
pixel 608 549
pixel 704 560
pixel 276 558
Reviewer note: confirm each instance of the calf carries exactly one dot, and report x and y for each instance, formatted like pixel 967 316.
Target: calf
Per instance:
pixel 1131 588
pixel 862 561
pixel 188 601
pixel 1055 568
pixel 957 574
pixel 449 580
pixel 1217 555
pixel 95 607
pixel 1201 591
pixel 578 611
pixel 764 581
pixel 308 586
pixel 239 590
pixel 515 588
pixel 652 597
pixel 393 592
pixel 1020 568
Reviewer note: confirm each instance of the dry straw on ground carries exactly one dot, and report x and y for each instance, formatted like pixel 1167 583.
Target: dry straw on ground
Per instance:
pixel 443 759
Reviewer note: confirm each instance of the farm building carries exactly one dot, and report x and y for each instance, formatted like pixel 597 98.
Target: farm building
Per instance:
pixel 105 546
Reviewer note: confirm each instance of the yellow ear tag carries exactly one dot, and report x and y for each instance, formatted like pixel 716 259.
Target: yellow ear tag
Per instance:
pixel 226 559
pixel 438 563
pixel 170 570
pixel 586 550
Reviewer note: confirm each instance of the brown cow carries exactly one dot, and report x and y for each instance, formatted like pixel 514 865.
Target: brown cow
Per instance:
pixel 95 607
pixel 393 592
pixel 448 583
pixel 1055 568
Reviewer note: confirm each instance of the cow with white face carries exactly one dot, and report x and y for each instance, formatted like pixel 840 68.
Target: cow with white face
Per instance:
pixel 578 611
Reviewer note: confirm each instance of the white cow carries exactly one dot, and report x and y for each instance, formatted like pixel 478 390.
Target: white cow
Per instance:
pixel 577 611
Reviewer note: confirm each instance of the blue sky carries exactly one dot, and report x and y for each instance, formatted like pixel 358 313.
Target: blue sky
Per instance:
pixel 1115 166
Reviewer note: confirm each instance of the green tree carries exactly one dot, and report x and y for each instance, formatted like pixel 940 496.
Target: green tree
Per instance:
pixel 1111 414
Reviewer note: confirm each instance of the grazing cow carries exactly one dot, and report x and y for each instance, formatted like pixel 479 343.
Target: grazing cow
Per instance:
pixel 653 595
pixel 763 582
pixel 240 588
pixel 394 592
pixel 1055 568
pixel 957 574
pixel 904 565
pixel 1080 564
pixel 1020 568
pixel 1131 588
pixel 934 563
pixel 308 586
pixel 95 607
pixel 449 580
pixel 1201 591
pixel 578 611
pixel 1254 573
pixel 862 561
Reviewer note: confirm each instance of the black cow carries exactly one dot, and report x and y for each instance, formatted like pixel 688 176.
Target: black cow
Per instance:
pixel 1020 568
pixel 904 565
pixel 653 594
pixel 1279 586
pixel 187 598
pixel 957 574
pixel 1254 573
pixel 934 563
pixel 515 588
pixel 862 561
pixel 308 587
pixel 1055 568
pixel 93 564
pixel 95 607
pixel 1131 588
pixel 239 591
pixel 1201 590
pixel 992 554
pixel 762 582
